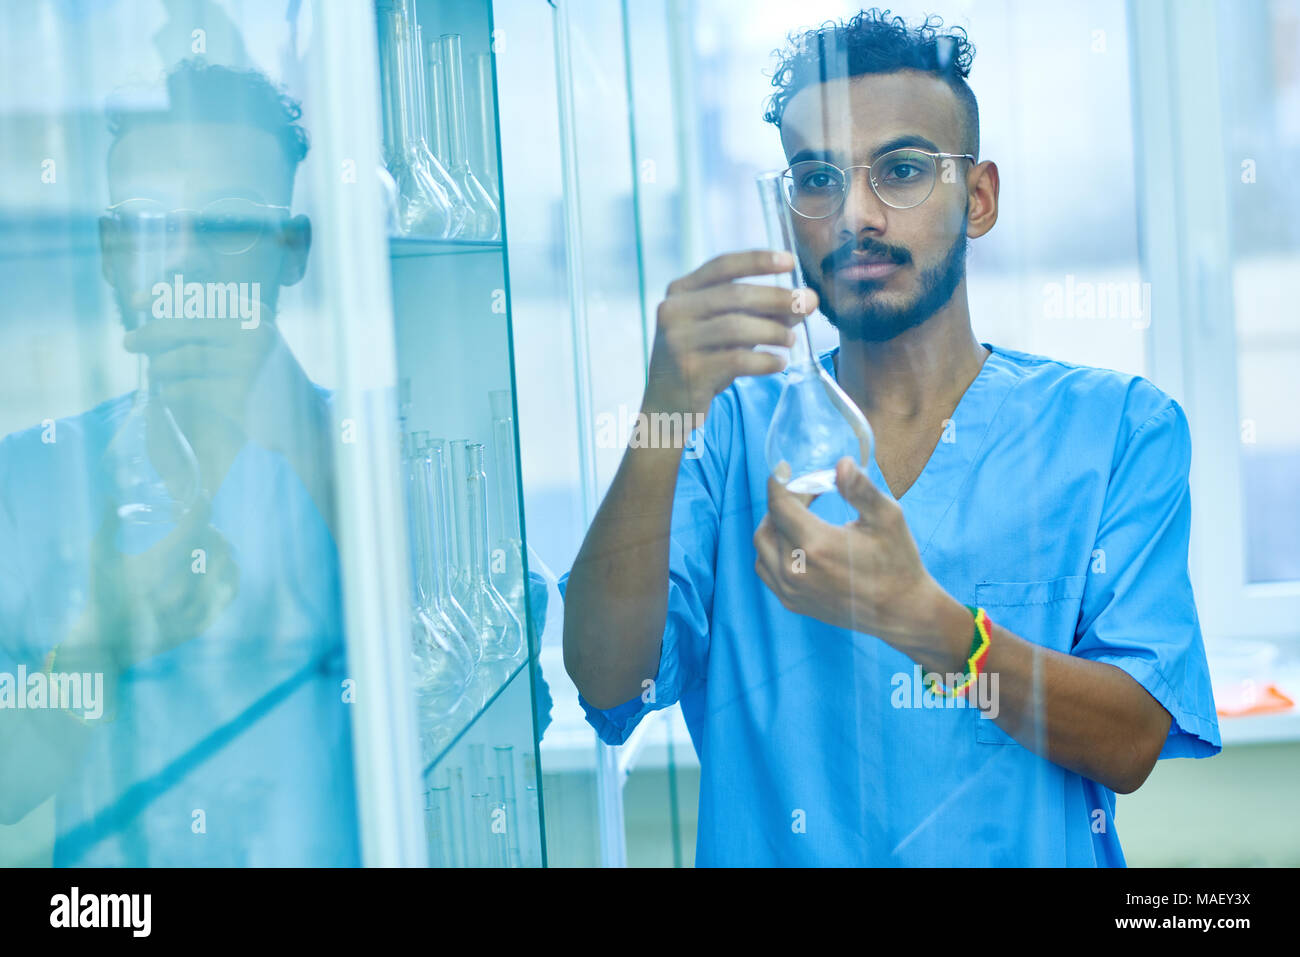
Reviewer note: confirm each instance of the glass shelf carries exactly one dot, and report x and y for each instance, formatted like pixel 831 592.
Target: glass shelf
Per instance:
pixel 445 749
pixel 407 246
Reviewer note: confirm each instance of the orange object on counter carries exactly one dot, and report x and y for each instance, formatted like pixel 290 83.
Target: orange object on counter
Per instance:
pixel 1253 698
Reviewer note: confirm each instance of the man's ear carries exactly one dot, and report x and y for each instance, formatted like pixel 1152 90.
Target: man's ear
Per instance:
pixel 296 240
pixel 982 201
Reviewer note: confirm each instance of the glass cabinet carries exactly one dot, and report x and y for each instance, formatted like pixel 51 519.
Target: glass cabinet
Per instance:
pixel 448 276
pixel 264 597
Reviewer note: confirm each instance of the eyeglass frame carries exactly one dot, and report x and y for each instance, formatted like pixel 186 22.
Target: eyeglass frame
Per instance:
pixel 871 180
pixel 168 214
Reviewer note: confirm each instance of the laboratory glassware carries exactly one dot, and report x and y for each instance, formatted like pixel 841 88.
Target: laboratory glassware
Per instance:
pixel 431 517
pixel 442 661
pixel 436 103
pixel 458 463
pixel 501 634
pixel 442 541
pixel 508 550
pixel 815 423
pixel 483 152
pixel 151 469
pixel 431 133
pixel 505 754
pixel 429 201
pixel 485 218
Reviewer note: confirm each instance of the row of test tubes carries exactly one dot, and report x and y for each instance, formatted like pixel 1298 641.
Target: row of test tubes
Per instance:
pixel 473 809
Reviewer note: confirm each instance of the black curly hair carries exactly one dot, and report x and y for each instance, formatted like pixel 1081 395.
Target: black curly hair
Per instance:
pixel 873 41
pixel 198 91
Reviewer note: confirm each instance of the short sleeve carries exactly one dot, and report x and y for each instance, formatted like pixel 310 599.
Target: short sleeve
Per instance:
pixel 692 552
pixel 1138 612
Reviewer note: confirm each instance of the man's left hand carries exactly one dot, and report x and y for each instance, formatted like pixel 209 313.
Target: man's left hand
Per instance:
pixel 865 575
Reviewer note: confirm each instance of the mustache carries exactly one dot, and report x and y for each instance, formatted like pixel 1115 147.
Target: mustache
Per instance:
pixel 844 255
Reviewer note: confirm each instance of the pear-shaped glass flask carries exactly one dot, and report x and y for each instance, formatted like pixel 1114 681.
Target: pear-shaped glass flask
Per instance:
pixel 508 575
pixel 429 202
pixel 485 218
pixel 501 633
pixel 815 423
pixel 152 471
pixel 443 663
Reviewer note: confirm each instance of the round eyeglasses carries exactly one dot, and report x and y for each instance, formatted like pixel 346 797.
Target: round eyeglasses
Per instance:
pixel 229 226
pixel 901 179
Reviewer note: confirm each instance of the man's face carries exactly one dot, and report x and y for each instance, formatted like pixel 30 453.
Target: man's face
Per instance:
pixel 877 270
pixel 232 174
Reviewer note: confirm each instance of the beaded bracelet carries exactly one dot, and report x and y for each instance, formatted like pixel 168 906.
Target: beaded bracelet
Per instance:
pixel 979 652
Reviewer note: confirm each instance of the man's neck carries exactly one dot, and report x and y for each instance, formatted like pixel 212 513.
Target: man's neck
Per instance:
pixel 916 375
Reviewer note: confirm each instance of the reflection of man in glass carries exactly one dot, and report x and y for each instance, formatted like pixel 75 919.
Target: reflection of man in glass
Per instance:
pixel 178 541
pixel 962 656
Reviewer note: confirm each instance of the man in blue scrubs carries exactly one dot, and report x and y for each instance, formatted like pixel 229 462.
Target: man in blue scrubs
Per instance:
pixel 801 636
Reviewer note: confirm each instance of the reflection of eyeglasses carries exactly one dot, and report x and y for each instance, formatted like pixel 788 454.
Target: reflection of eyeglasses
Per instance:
pixel 227 226
pixel 900 178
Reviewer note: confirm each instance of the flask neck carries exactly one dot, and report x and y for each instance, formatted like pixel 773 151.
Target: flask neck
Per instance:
pixel 442 518
pixel 419 477
pixel 396 107
pixel 476 495
pixel 801 353
pixel 503 433
pixel 454 91
pixel 437 108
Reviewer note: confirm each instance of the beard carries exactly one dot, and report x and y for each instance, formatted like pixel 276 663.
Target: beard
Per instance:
pixel 867 319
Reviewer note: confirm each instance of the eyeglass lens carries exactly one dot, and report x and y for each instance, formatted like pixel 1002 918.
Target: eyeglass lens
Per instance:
pixel 901 179
pixel 227 226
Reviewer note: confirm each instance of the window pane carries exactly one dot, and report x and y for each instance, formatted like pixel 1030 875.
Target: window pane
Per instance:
pixel 1260 69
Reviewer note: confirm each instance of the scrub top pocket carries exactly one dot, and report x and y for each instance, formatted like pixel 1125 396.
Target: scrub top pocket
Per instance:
pixel 1044 612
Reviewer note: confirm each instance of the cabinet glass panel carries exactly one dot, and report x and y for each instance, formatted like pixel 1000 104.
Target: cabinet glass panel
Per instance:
pixel 173 664
pixel 469 608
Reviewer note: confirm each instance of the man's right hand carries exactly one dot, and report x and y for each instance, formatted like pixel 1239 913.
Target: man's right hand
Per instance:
pixel 708 326
pixel 616 604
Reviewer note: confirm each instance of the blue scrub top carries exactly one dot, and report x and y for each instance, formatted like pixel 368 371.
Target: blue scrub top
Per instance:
pixel 1058 500
pixel 246 722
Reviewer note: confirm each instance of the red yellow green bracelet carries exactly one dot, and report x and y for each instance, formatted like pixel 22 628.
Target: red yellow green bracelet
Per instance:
pixel 979 652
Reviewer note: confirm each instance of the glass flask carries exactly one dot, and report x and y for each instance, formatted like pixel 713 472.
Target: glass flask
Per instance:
pixel 432 131
pixel 482 143
pixel 508 549
pixel 152 472
pixel 815 423
pixel 443 664
pixel 458 503
pixel 460 818
pixel 429 201
pixel 502 635
pixel 442 539
pixel 485 218
pixel 437 104
pixel 508 798
pixel 439 824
